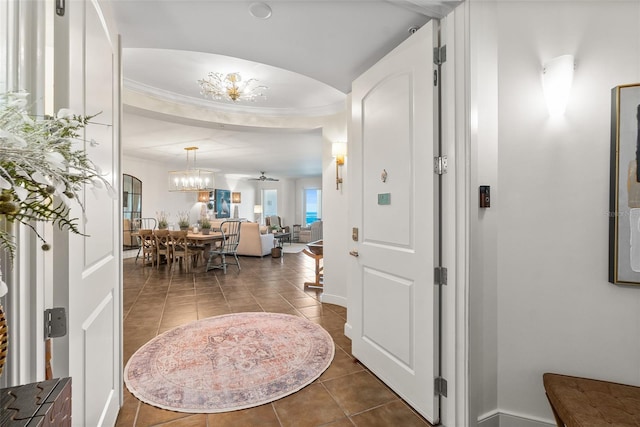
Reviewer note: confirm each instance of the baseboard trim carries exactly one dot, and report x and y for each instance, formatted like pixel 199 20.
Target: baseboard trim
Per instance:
pixel 334 299
pixel 510 419
pixel 490 419
pixel 347 330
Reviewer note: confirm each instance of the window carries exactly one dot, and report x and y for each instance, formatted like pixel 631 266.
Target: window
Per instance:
pixel 131 208
pixel 269 202
pixel 312 205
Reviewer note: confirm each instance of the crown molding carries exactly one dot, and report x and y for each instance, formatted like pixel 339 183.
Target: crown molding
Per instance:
pixel 173 97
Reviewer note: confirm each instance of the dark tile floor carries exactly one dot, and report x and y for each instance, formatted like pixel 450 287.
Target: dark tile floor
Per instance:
pixel 346 394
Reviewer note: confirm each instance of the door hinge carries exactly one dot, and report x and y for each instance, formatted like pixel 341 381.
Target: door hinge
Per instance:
pixel 440 276
pixel 60 7
pixel 55 322
pixel 440 165
pixel 440 55
pixel 440 386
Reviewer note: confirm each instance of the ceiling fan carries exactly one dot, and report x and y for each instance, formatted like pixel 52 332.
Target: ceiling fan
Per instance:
pixel 262 177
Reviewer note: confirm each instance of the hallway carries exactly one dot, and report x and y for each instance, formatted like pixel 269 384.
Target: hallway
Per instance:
pixel 345 395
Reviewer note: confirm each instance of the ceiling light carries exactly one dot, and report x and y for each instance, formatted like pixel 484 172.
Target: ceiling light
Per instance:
pixel 231 87
pixel 260 10
pixel 191 179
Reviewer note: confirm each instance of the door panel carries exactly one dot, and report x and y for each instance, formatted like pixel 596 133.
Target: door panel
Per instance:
pixel 92 285
pixel 393 311
pixel 391 335
pixel 388 148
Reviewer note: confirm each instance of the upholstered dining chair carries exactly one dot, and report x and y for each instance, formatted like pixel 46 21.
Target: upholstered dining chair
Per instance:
pixel 163 246
pixel 228 246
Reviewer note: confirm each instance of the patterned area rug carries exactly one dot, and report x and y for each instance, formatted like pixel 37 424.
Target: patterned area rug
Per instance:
pixel 229 362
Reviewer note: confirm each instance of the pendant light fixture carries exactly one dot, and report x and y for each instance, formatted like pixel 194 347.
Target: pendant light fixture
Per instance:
pixel 191 179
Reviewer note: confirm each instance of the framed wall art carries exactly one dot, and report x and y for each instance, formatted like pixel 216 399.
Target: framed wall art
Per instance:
pixel 223 203
pixel 624 197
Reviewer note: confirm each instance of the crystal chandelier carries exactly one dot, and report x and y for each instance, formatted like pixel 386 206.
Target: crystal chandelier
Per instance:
pixel 192 179
pixel 231 87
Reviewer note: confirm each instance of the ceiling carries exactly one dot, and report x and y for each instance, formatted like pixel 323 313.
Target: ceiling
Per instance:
pixel 307 52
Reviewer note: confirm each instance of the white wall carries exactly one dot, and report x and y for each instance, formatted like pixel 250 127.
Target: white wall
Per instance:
pixel 483 334
pixel 156 197
pixel 335 228
pixel 555 309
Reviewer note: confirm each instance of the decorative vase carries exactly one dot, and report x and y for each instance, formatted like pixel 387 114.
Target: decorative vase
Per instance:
pixel 184 227
pixel 206 230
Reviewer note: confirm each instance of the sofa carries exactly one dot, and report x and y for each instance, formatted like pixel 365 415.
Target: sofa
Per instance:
pixel 255 239
pixel 253 242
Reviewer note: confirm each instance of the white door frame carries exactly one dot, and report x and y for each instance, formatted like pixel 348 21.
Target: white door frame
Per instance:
pixel 456 202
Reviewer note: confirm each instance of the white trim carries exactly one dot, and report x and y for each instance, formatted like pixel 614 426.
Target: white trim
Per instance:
pixel 490 419
pixel 511 419
pixel 348 329
pixel 326 110
pixel 456 199
pixel 334 299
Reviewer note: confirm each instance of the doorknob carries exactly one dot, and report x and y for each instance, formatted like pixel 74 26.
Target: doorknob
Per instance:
pixel 354 253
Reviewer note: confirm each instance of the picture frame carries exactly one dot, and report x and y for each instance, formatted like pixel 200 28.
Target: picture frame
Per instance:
pixel 624 195
pixel 223 203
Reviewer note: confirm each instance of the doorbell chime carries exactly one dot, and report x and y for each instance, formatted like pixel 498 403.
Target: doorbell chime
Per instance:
pixel 485 196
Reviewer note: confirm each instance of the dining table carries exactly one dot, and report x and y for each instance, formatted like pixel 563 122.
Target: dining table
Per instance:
pixel 199 237
pixel 315 250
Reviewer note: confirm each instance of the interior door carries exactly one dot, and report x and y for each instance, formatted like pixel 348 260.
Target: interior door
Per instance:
pixel 392 307
pixel 87 268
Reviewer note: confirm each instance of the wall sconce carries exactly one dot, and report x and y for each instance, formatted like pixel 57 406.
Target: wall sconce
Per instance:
pixel 557 77
pixel 338 152
pixel 236 197
pixel 203 196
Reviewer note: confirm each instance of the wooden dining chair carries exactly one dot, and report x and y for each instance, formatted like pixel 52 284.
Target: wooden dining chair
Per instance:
pixel 228 246
pixel 139 224
pixel 183 250
pixel 147 247
pixel 163 246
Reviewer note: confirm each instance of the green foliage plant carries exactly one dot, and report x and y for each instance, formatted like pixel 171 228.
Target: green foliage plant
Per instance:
pixel 43 168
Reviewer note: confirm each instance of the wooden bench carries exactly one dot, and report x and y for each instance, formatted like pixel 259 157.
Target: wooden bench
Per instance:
pixel 42 404
pixel 581 402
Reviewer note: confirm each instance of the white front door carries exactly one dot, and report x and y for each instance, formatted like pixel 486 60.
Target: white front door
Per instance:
pixel 87 268
pixel 392 307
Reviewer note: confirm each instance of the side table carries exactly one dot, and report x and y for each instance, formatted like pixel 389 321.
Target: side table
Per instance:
pixel 279 239
pixel 295 233
pixel 315 250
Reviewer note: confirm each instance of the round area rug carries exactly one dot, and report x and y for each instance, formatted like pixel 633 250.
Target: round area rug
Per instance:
pixel 229 362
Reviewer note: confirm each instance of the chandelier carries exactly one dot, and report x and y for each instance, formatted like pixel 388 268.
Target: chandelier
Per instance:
pixel 191 179
pixel 231 86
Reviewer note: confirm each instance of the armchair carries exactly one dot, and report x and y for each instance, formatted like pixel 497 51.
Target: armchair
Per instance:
pixel 275 220
pixel 311 233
